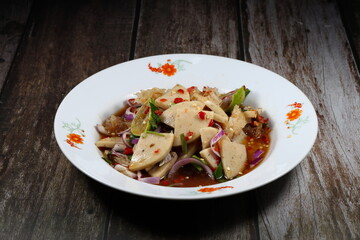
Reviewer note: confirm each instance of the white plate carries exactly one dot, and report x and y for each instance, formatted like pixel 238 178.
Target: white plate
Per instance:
pixel 89 103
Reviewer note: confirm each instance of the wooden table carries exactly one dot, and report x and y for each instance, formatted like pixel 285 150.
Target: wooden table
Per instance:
pixel 48 47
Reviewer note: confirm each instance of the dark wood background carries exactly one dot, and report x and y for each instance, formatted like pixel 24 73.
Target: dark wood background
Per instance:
pixel 48 47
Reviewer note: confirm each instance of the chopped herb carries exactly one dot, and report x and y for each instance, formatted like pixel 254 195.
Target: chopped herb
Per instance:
pixel 199 158
pixel 155 118
pixel 237 98
pixel 218 173
pixel 183 143
pixel 198 167
pixel 155 133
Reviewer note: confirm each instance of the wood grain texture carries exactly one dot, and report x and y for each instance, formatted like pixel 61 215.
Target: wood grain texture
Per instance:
pixel 350 12
pixel 208 27
pixel 13 18
pixel 43 196
pixel 305 42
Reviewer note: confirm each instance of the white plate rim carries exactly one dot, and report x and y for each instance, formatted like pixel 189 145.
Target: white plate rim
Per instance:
pixel 187 193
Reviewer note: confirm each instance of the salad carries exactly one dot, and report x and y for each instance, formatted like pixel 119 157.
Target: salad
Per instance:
pixel 185 137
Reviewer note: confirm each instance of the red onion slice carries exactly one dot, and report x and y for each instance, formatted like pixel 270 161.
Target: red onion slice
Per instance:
pixel 185 161
pixel 119 154
pixel 125 171
pixel 215 139
pixel 134 141
pixel 129 117
pixel 132 102
pixel 118 147
pixel 129 114
pixel 257 157
pixel 255 162
pixel 101 129
pixel 258 153
pixel 124 138
pixel 121 133
pixel 151 180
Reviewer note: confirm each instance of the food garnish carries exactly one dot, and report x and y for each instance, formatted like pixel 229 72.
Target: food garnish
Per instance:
pixel 159 135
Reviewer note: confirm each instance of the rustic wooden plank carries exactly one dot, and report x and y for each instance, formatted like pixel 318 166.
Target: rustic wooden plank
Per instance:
pixel 305 42
pixel 42 195
pixel 13 18
pixel 225 218
pixel 350 12
pixel 208 27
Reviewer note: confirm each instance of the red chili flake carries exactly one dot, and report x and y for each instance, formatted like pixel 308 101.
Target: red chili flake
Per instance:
pixel 131 101
pixel 190 89
pixel 158 112
pixel 202 115
pixel 166 182
pixel 178 100
pixel 248 148
pixel 147 110
pixel 211 123
pixel 163 100
pixel 189 135
pixel 261 119
pixel 157 150
pixel 181 91
pixel 216 148
pixel 128 151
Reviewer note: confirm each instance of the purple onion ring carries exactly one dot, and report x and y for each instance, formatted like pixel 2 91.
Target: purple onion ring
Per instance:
pixel 215 139
pixel 101 129
pixel 185 161
pixel 123 136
